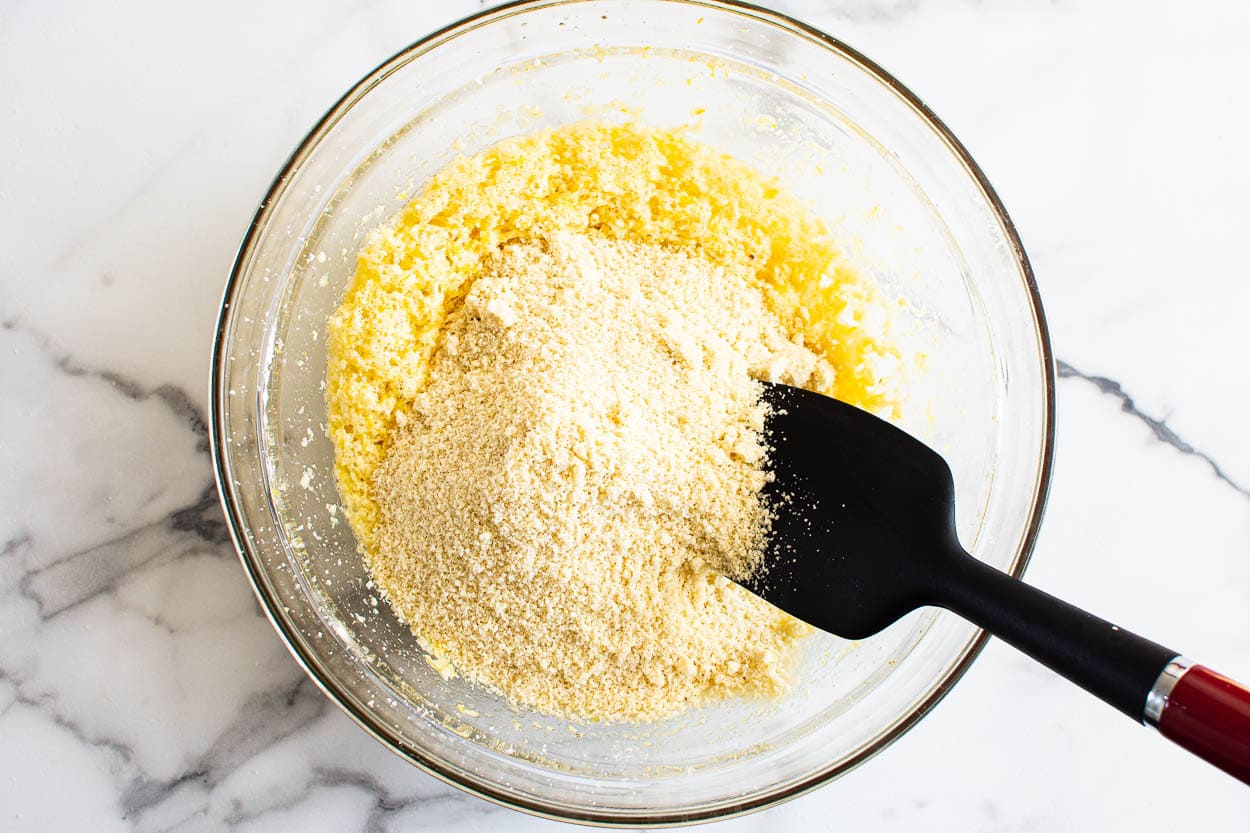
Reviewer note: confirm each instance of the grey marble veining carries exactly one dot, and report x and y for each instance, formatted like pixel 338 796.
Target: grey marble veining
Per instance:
pixel 1159 427
pixel 141 689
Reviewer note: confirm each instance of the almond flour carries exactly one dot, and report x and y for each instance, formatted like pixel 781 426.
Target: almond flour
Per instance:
pixel 582 467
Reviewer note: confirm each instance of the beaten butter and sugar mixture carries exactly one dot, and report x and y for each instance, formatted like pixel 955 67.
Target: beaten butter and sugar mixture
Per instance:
pixel 544 402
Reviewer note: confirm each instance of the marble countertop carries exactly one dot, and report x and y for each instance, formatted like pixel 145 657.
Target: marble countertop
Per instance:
pixel 141 689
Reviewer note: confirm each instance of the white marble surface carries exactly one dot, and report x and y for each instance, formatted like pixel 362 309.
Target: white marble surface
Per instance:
pixel 140 689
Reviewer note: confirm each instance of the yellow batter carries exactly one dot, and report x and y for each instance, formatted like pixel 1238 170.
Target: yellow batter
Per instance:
pixel 627 182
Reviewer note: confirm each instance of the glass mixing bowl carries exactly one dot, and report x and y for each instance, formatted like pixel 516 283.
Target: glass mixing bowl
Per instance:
pixel 896 187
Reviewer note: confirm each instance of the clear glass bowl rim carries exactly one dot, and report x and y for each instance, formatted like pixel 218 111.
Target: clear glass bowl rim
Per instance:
pixel 272 606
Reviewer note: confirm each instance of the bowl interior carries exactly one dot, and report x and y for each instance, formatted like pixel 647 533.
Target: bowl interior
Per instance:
pixel 911 212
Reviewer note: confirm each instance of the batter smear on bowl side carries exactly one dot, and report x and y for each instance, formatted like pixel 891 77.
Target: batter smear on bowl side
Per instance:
pixel 544 402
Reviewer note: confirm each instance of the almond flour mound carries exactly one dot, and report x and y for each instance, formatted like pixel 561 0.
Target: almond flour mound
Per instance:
pixel 582 466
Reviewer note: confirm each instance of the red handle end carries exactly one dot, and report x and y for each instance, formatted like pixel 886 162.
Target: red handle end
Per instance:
pixel 1209 715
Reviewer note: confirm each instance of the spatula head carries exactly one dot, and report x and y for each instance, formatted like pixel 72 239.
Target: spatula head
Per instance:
pixel 864 516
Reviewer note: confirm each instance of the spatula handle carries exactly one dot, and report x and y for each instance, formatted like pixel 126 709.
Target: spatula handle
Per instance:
pixel 1108 661
pixel 1204 712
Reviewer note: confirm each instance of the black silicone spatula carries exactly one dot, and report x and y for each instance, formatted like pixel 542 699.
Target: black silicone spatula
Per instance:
pixel 865 532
